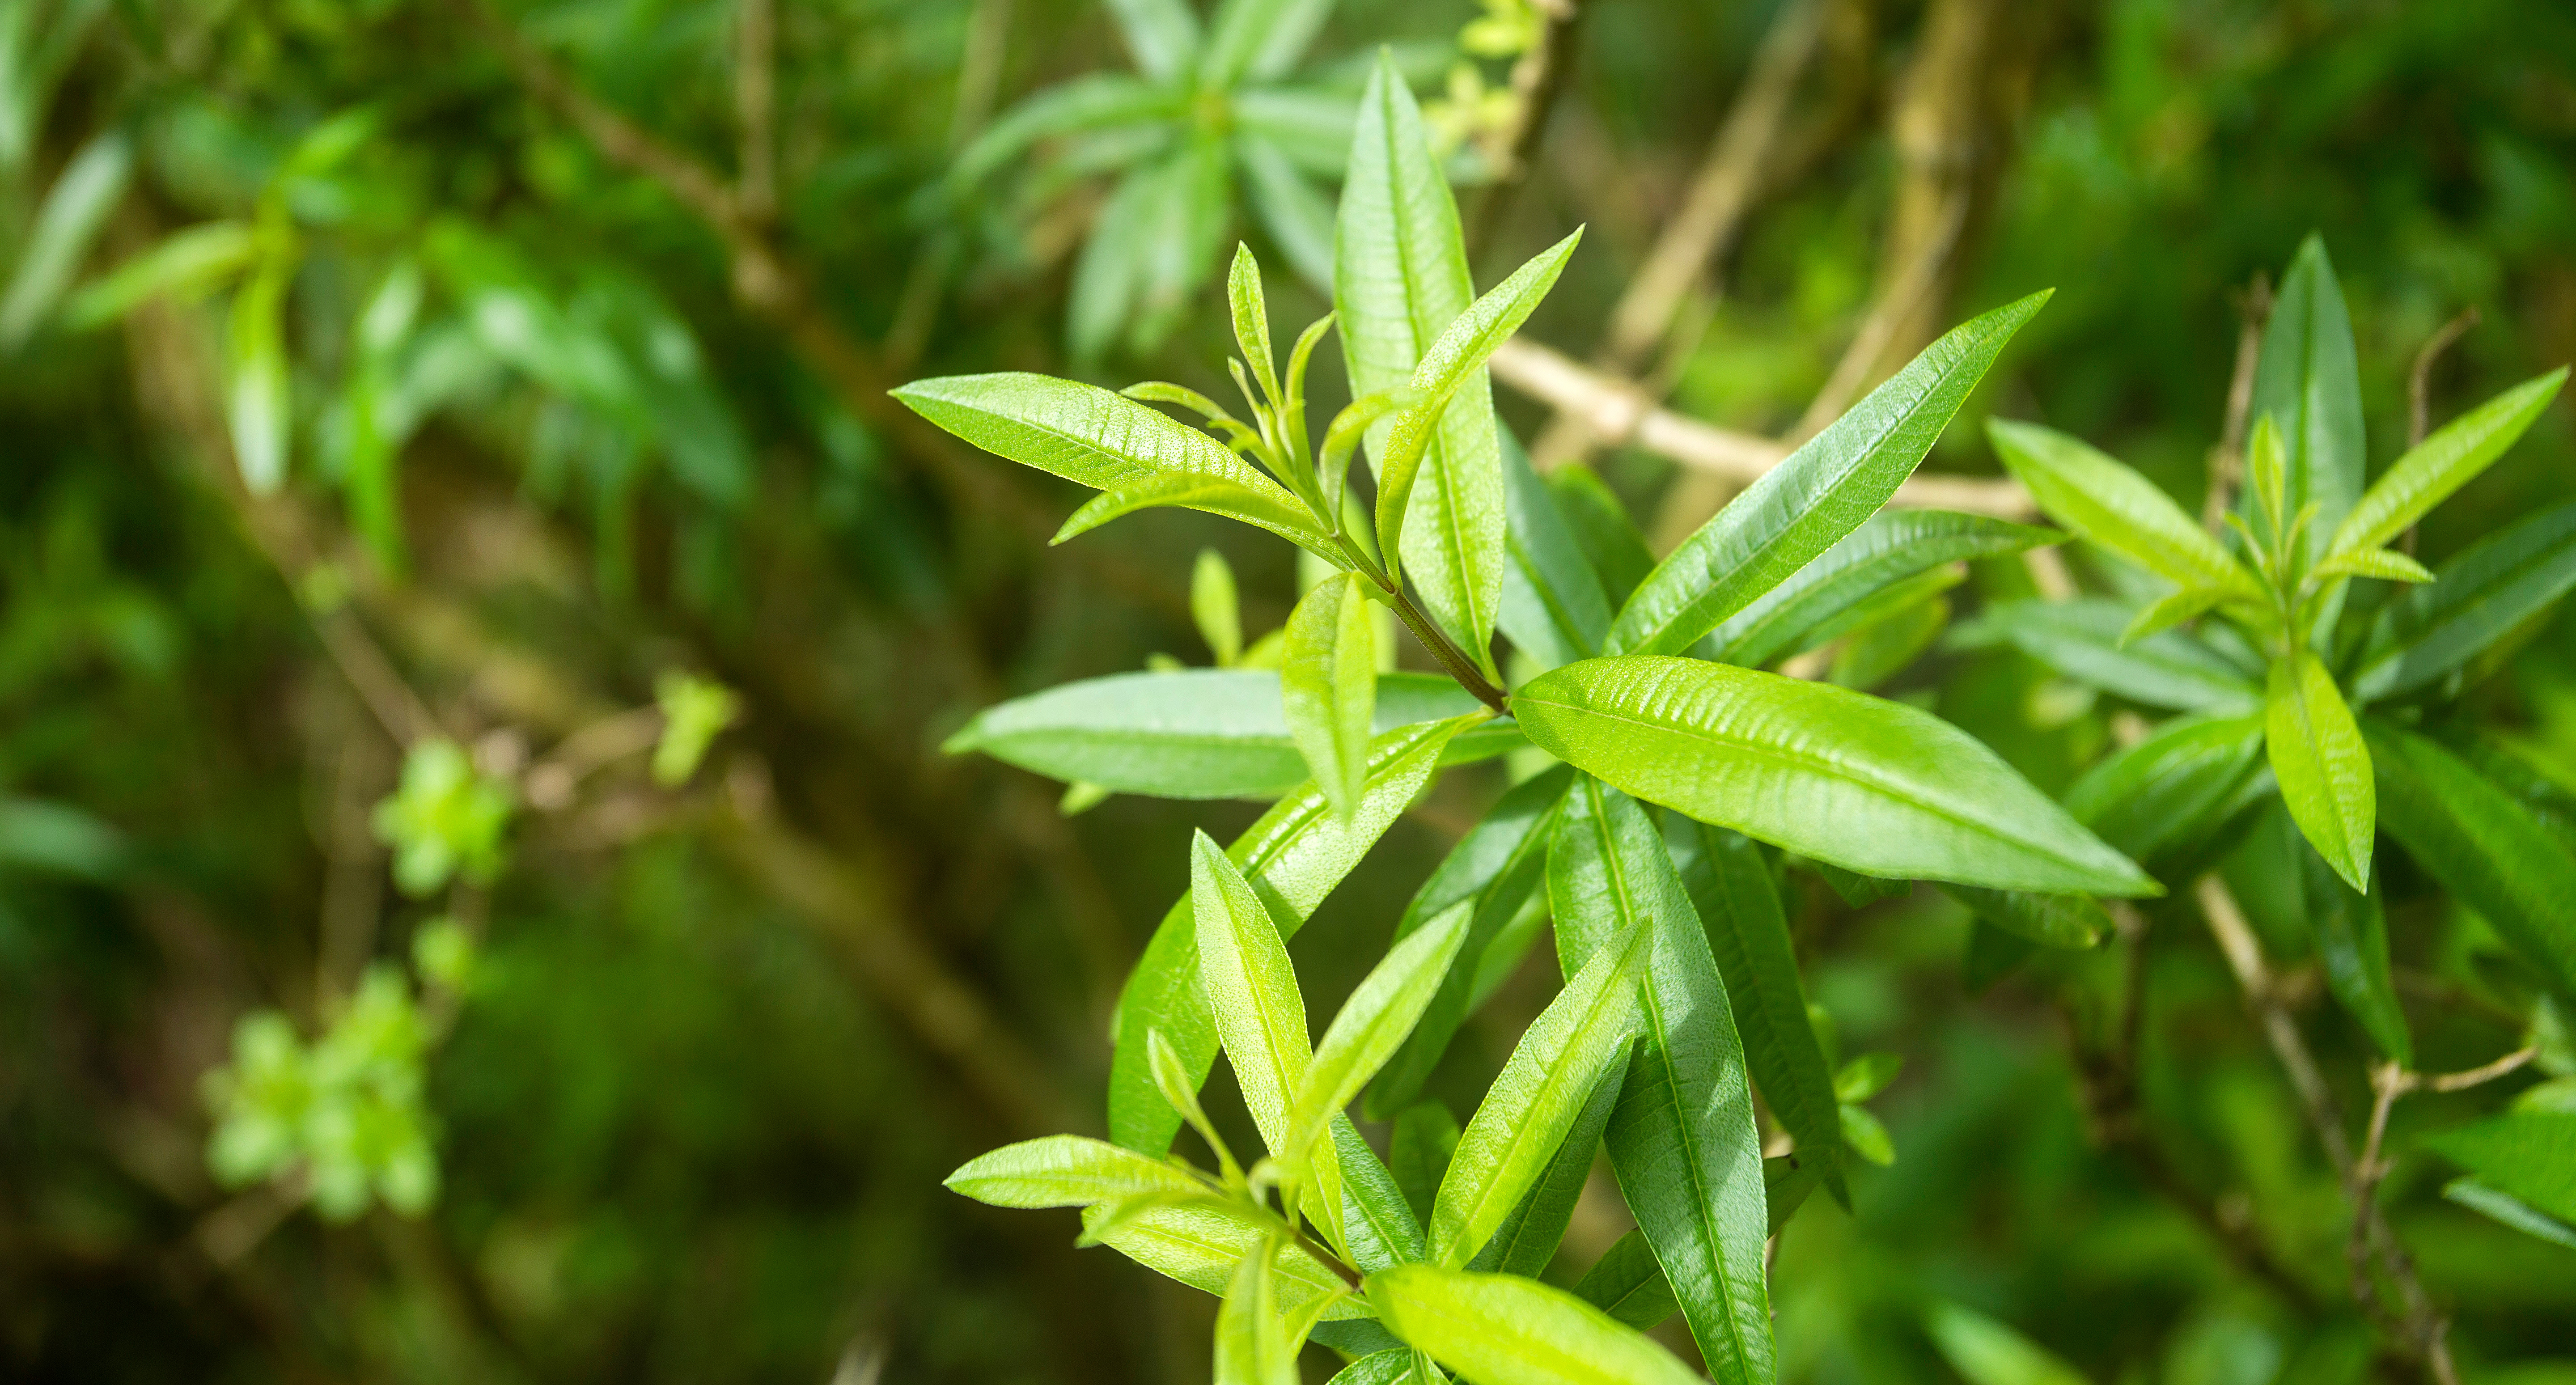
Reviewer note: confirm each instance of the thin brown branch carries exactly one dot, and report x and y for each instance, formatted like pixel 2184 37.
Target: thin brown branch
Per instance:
pixel 2419 379
pixel 2227 459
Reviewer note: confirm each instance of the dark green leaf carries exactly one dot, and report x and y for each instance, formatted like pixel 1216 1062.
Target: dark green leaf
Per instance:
pixel 1626 1282
pixel 2529 1156
pixel 1870 785
pixel 2479 596
pixel 2351 935
pixel 1292 858
pixel 1682 1140
pixel 1889 547
pixel 2308 381
pixel 1822 492
pixel 1418 1150
pixel 2082 639
pixel 2169 792
pixel 1618 553
pixel 2482 845
pixel 1553 606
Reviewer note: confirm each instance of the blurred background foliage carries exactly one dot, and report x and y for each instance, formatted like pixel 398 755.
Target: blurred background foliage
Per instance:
pixel 508 379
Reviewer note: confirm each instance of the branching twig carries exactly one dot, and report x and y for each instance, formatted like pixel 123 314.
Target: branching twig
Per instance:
pixel 2419 379
pixel 2227 459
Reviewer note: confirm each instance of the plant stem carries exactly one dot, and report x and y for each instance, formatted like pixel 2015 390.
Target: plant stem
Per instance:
pixel 1453 660
pixel 1327 1259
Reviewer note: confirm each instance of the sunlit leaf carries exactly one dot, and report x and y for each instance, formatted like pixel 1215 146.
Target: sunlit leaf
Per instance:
pixel 2308 382
pixel 1066 1171
pixel 1252 1346
pixel 1377 1017
pixel 2108 503
pixel 1528 1238
pixel 1251 989
pixel 2322 765
pixel 1888 548
pixel 1501 1329
pixel 1328 685
pixel 2529 1156
pixel 2442 463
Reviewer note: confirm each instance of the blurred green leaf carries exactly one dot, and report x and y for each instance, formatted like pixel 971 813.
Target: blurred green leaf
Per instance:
pixel 1252 1346
pixel 37 835
pixel 67 223
pixel 1260 39
pixel 256 399
pixel 2170 792
pixel 2527 1155
pixel 2083 640
pixel 1986 1352
pixel 1162 35
pixel 2052 920
pixel 2481 595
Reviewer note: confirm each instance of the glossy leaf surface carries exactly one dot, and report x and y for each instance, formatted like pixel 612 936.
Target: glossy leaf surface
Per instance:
pixel 1888 548
pixel 1065 1171
pixel 2482 594
pixel 1328 686
pixel 1505 1330
pixel 2308 381
pixel 2483 846
pixel 2110 504
pixel 1252 989
pixel 2322 766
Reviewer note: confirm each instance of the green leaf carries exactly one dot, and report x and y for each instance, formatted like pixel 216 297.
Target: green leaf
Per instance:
pixel 2108 503
pixel 1251 314
pixel 1626 1282
pixel 2170 610
pixel 2442 463
pixel 1252 1346
pixel 2385 564
pixel 55 837
pixel 1215 607
pixel 2485 592
pixel 1298 215
pixel 2350 931
pixel 1197 733
pixel 66 224
pixel 1528 1238
pixel 1453 361
pixel 1251 989
pixel 1377 1017
pixel 256 401
pixel 1328 685
pixel 2529 1156
pixel 2083 639
pixel 2482 845
pixel 1822 492
pixel 1103 440
pixel 2170 792
pixel 1393 1367
pixel 1882 648
pixel 1601 526
pixel 1162 35
pixel 2307 380
pixel 1203 1245
pixel 1986 1352
pixel 1066 1171
pixel 1500 1329
pixel 1418 1149
pixel 1738 901
pixel 188 263
pixel 1379 1227
pixel 2051 920
pixel 1534 1101
pixel 1292 857
pixel 1837 776
pixel 1399 279
pixel 2322 765
pixel 1866 1136
pixel 1860 891
pixel 2510 1210
pixel 1098 101
pixel 1310 125
pixel 1888 548
pixel 1553 607
pixel 1214 495
pixel 1260 39
pixel 1682 1141
pixel 1496 867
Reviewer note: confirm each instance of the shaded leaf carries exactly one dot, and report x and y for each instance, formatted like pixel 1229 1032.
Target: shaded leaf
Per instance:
pixel 1986 1352
pixel 2084 639
pixel 2052 920
pixel 2483 845
pixel 2351 935
pixel 2482 594
pixel 1419 1148
pixel 1553 607
pixel 2168 793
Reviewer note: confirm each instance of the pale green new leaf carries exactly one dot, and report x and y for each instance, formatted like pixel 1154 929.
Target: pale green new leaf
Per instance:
pixel 1986 1352
pixel 1822 492
pixel 1328 685
pixel 2323 767
pixel 2442 463
pixel 1890 547
pixel 1497 867
pixel 1399 279
pixel 256 401
pixel 1683 1140
pixel 2351 935
pixel 1252 989
pixel 1066 1171
pixel 2084 639
pixel 1252 1346
pixel 189 263
pixel 1870 785
pixel 1203 1245
pixel 1378 1225
pixel 1292 857
pixel 1250 310
pixel 2108 503
pixel 2483 845
pixel 1553 609
pixel 66 224
pixel 1748 931
pixel 1374 1021
pixel 2485 592
pixel 1162 35
pixel 1499 1329
pixel 2386 564
pixel 1452 362
pixel 1535 1100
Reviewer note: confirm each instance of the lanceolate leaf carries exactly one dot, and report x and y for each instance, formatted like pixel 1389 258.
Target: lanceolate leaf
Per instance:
pixel 1601 526
pixel 2112 505
pixel 2443 463
pixel 1378 1226
pixel 1162 35
pixel 2528 1155
pixel 1094 102
pixel 1103 440
pixel 2082 639
pixel 1626 1282
pixel 66 225
pixel 1810 501
pixel 1259 38
pixel 1399 279
pixel 1888 548
pixel 2169 792
pixel 2351 935
pixel 1496 867
pixel 1328 685
pixel 1682 1140
pixel 256 398
pixel 2475 599
pixel 1066 1171
pixel 1243 963
pixel 1375 1020
pixel 2052 920
pixel 1252 1346
pixel 1553 606
pixel 1451 362
pixel 1528 1238
pixel 1748 931
pixel 2308 381
pixel 2482 845
pixel 1500 1329
pixel 1292 858
pixel 1202 1246
pixel 1870 785
pixel 1534 1101
pixel 2323 767
pixel 1216 495
pixel 1197 733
